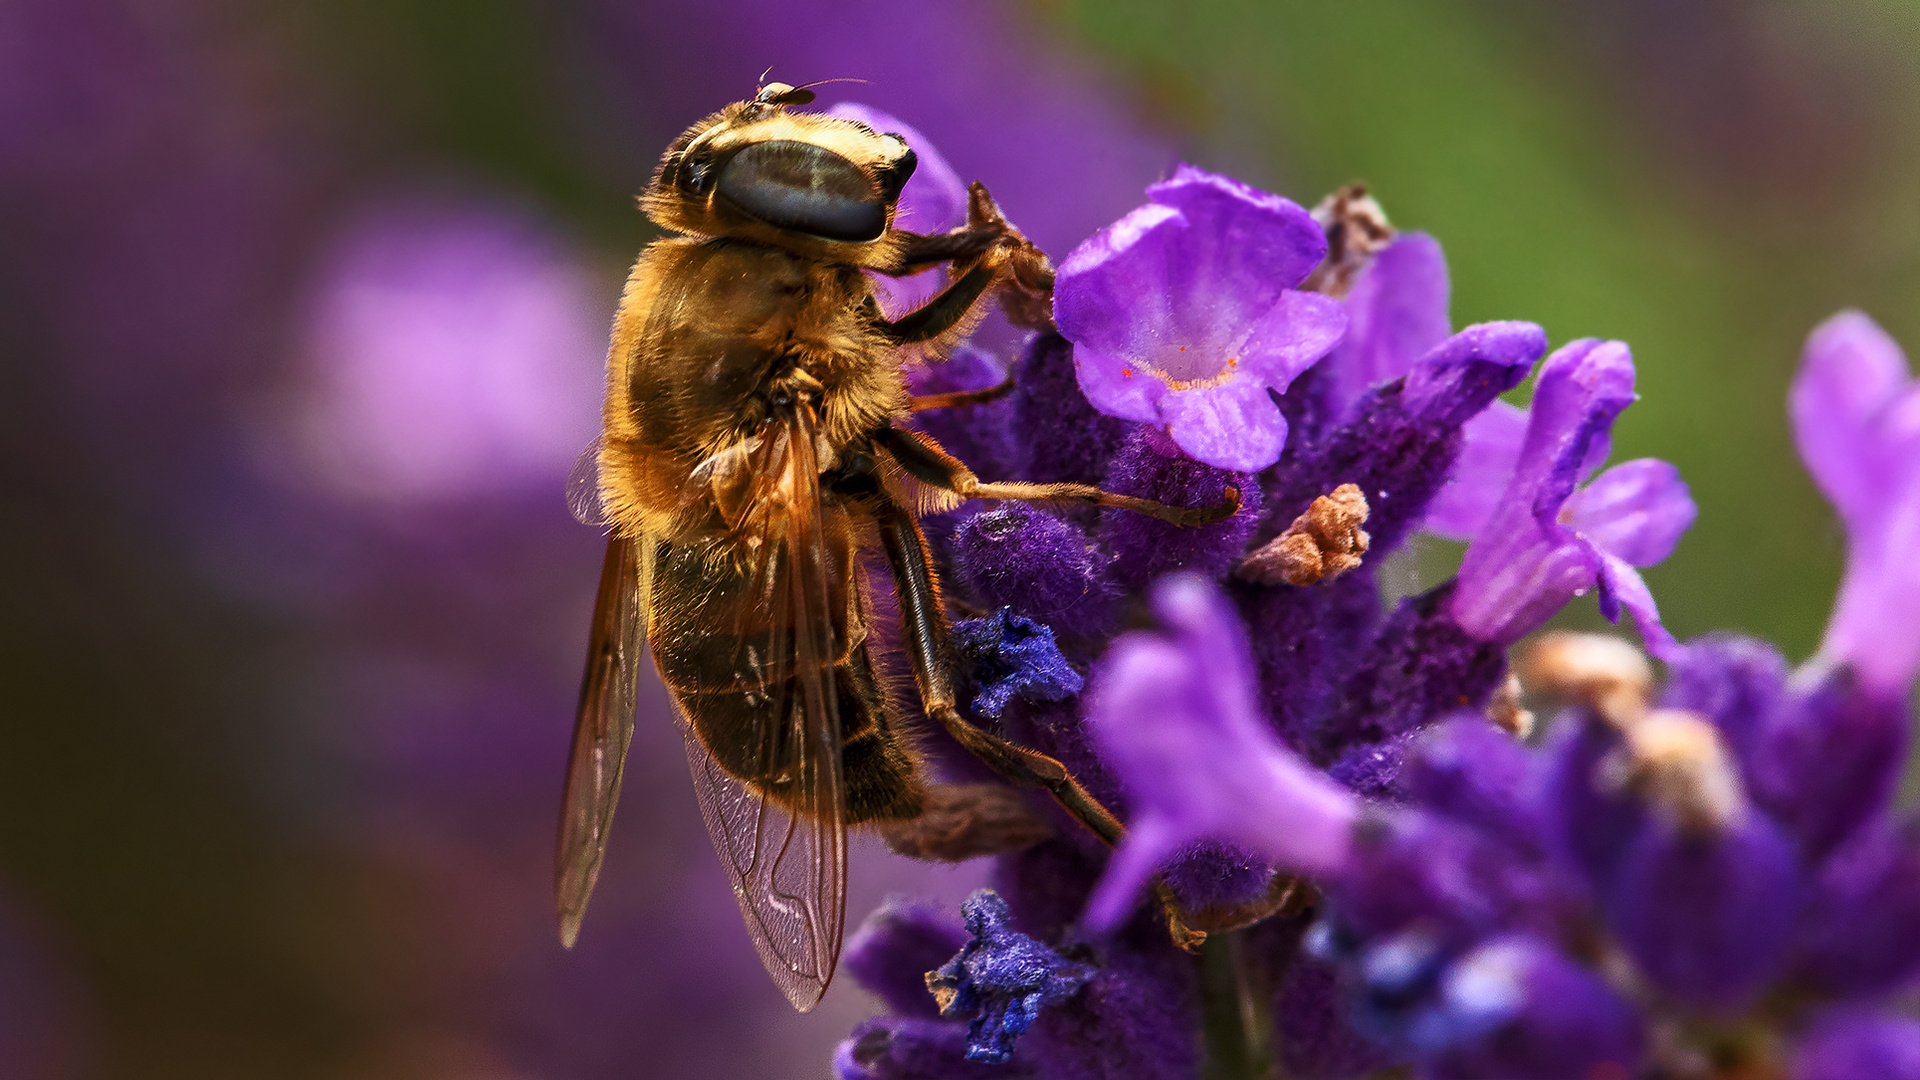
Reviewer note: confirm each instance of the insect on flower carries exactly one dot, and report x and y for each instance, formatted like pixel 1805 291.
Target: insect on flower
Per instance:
pixel 748 463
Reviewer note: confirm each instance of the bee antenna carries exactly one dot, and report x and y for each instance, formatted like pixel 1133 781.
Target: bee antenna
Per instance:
pixel 779 93
pixel 823 82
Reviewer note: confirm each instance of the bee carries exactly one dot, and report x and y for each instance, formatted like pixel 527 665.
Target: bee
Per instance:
pixel 751 467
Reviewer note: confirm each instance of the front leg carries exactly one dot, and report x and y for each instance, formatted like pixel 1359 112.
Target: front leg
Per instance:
pixel 987 253
pixel 923 251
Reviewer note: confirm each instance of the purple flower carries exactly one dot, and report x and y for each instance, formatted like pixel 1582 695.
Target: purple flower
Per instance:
pixel 1014 656
pixel 1396 311
pixel 1175 713
pixel 894 949
pixel 452 350
pixel 1828 759
pixel 1521 1010
pixel 903 1048
pixel 1545 540
pixel 1150 466
pixel 1064 436
pixel 1707 916
pixel 1861 931
pixel 1002 979
pixel 1184 314
pixel 1036 564
pixel 1856 417
pixel 1318 647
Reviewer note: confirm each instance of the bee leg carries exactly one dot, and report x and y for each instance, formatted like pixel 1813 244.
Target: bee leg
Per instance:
pixel 952 308
pixel 1009 261
pixel 924 251
pixel 928 463
pixel 986 228
pixel 924 402
pixel 926 633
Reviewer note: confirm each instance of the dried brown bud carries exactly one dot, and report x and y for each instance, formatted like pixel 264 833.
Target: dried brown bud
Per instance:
pixel 1356 228
pixel 1322 543
pixel 1598 671
pixel 965 821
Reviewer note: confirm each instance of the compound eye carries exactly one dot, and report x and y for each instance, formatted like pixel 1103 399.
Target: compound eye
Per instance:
pixel 803 188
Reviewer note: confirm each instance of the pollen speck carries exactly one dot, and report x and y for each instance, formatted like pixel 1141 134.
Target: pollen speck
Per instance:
pixel 1126 373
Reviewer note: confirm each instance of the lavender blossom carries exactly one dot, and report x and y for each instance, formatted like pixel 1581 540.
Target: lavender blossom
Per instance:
pixel 1396 311
pixel 1154 697
pixel 452 350
pixel 1002 979
pixel 1546 540
pixel 1709 870
pixel 1013 655
pixel 1856 417
pixel 1184 314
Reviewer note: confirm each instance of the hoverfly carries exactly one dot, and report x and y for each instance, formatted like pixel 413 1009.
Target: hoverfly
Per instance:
pixel 749 462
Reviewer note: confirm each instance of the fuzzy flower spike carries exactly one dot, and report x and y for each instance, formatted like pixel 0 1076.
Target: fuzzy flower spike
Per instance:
pixel 1185 313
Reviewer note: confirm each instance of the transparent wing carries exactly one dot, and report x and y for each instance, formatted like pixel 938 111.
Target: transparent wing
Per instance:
pixel 602 729
pixel 783 840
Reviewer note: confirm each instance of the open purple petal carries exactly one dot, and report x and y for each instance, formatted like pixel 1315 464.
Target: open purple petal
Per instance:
pixel 1488 452
pixel 1233 427
pixel 1856 417
pixel 1621 586
pixel 1182 313
pixel 1524 563
pixel 1511 583
pixel 1582 388
pixel 1241 249
pixel 1118 387
pixel 1636 511
pixel 1397 310
pixel 1175 714
pixel 1851 373
pixel 1873 627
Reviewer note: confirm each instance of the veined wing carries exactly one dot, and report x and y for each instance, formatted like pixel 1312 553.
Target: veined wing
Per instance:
pixel 782 838
pixel 602 729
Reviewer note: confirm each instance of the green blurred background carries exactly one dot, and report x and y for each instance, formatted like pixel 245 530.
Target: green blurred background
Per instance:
pixel 1706 179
